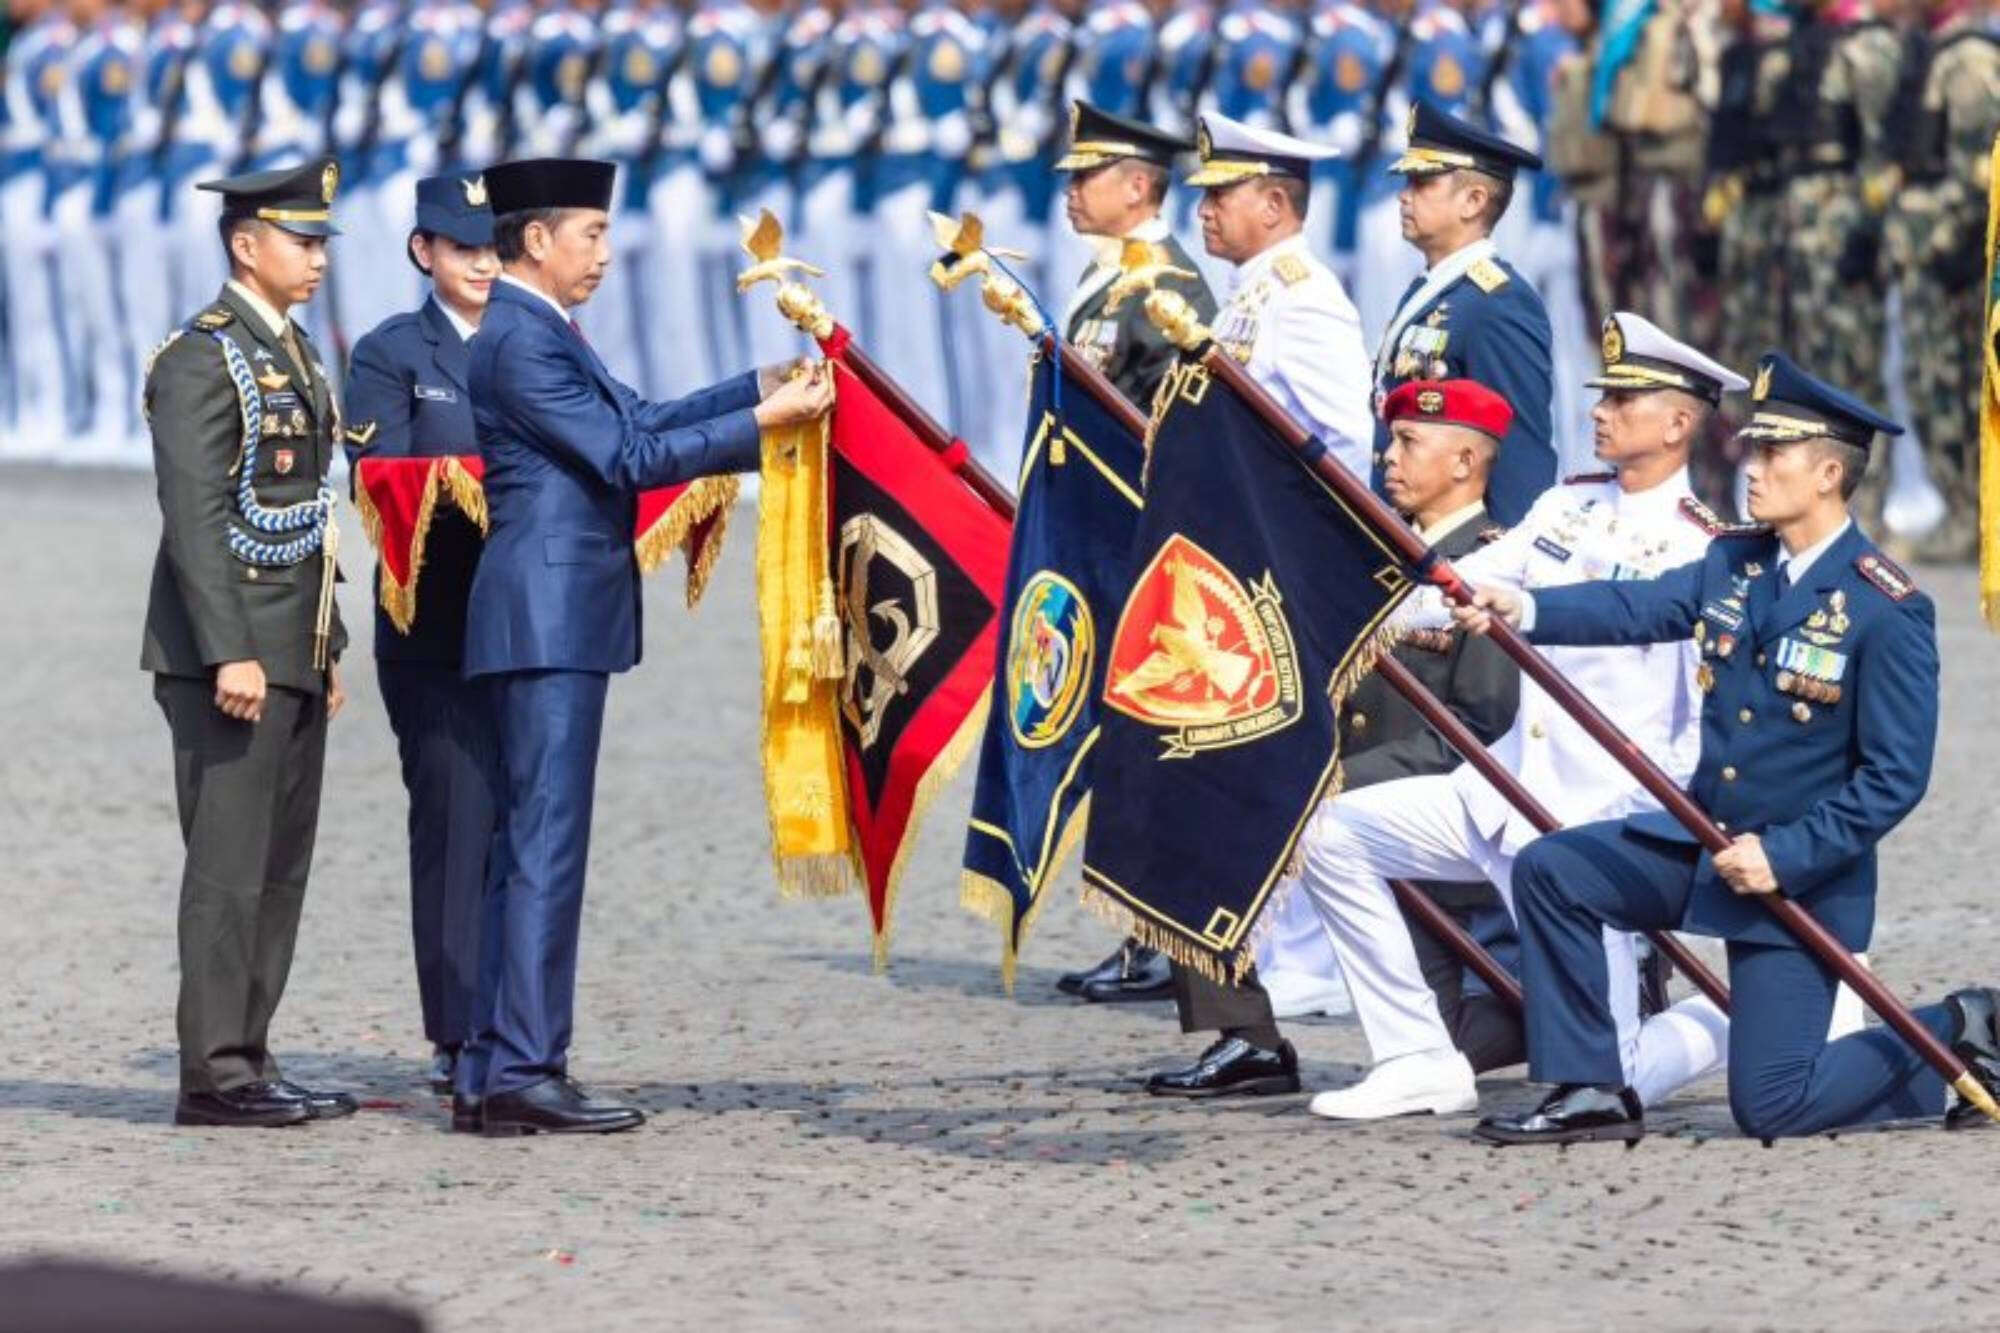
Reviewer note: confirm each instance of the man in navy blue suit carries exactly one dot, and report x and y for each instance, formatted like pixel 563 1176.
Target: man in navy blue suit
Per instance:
pixel 407 398
pixel 555 607
pixel 1819 661
pixel 1471 316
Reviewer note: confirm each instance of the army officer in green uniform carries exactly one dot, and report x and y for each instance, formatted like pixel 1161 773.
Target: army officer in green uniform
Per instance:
pixel 242 635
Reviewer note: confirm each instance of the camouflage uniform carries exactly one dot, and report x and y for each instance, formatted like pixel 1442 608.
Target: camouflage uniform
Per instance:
pixel 1934 236
pixel 1842 84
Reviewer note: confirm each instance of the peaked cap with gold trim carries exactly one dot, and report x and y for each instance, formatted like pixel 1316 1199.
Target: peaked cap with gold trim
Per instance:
pixel 1792 405
pixel 1232 151
pixel 298 199
pixel 1440 141
pixel 1638 356
pixel 1097 139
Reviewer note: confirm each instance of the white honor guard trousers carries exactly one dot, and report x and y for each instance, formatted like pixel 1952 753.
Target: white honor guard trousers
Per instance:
pixel 35 355
pixel 909 337
pixel 1385 266
pixel 613 319
pixel 678 349
pixel 103 388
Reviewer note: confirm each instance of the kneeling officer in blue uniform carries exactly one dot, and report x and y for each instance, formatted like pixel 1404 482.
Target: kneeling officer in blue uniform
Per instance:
pixel 555 607
pixel 1819 659
pixel 407 397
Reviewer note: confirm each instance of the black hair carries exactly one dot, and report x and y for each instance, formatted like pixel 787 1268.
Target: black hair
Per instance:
pixel 1297 193
pixel 410 248
pixel 1853 460
pixel 510 230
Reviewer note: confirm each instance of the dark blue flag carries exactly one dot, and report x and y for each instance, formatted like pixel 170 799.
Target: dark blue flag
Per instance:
pixel 1066 577
pixel 1257 602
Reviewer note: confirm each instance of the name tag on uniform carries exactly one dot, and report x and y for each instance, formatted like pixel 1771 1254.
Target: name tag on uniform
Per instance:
pixel 1726 616
pixel 1549 548
pixel 431 393
pixel 280 402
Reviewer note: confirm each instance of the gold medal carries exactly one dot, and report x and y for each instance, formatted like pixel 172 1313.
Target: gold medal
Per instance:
pixel 1704 676
pixel 1801 712
pixel 1784 681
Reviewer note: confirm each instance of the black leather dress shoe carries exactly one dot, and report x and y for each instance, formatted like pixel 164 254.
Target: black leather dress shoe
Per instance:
pixel 254 1105
pixel 1232 1068
pixel 1111 969
pixel 1654 972
pixel 319 1105
pixel 1976 1040
pixel 1573 1113
pixel 1147 974
pixel 468 1114
pixel 444 1066
pixel 554 1106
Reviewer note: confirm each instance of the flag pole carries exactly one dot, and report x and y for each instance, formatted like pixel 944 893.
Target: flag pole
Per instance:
pixel 763 241
pixel 1178 321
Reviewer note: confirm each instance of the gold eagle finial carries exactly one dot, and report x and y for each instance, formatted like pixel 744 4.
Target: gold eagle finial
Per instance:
pixel 763 241
pixel 1142 265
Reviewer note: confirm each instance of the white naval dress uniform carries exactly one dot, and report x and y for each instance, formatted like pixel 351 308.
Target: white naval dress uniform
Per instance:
pixel 1456 826
pixel 1290 322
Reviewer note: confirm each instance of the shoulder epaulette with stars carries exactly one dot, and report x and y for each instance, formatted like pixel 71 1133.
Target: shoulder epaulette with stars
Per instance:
pixel 1712 523
pixel 1291 270
pixel 1588 478
pixel 1487 276
pixel 213 318
pixel 1885 574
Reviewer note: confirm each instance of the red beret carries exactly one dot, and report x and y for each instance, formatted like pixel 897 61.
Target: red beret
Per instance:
pixel 1455 402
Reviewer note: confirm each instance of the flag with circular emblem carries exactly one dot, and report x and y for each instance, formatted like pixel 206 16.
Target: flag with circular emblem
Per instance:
pixel 1067 574
pixel 1258 603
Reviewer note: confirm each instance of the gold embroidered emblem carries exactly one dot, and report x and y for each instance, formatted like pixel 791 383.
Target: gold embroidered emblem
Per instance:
pixel 1614 343
pixel 878 670
pixel 1200 656
pixel 329 181
pixel 1762 389
pixel 1487 276
pixel 210 320
pixel 1291 270
pixel 272 380
pixel 360 435
pixel 1430 401
pixel 475 191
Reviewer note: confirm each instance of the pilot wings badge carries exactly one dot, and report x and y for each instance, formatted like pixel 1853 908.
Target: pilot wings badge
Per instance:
pixel 1202 657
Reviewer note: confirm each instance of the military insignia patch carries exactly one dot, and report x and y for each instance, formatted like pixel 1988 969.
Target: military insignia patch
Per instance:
pixel 1878 570
pixel 1262 72
pixel 434 61
pixel 273 380
pixel 640 67
pixel 474 188
pixel 1447 78
pixel 1699 514
pixel 867 67
pixel 1349 74
pixel 1487 276
pixel 210 320
pixel 1614 343
pixel 282 461
pixel 1430 402
pixel 329 181
pixel 1762 388
pixel 1291 270
pixel 947 63
pixel 1054 643
pixel 360 435
pixel 1199 655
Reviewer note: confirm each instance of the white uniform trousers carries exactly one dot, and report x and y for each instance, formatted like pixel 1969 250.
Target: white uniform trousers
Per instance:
pixel 35 354
pixel 145 282
pixel 354 272
pixel 1548 259
pixel 678 346
pixel 101 391
pixel 909 337
pixel 1418 828
pixel 994 355
pixel 613 318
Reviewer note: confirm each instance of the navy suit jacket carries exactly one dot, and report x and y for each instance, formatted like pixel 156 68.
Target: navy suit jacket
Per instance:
pixel 1821 783
pixel 1501 339
pixel 407 391
pixel 567 451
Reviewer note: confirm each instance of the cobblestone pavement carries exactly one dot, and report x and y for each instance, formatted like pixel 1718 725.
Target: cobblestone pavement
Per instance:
pixel 828 1148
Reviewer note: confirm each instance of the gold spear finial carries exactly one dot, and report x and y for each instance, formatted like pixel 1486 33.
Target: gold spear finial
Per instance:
pixel 1141 266
pixel 764 241
pixel 966 255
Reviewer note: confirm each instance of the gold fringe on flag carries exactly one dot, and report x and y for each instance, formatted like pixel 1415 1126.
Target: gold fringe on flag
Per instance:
pixel 709 497
pixel 1989 415
pixel 1230 971
pixel 805 790
pixel 942 770
pixel 989 898
pixel 466 492
pixel 399 600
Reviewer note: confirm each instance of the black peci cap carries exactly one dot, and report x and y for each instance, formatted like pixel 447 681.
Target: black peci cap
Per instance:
pixel 550 182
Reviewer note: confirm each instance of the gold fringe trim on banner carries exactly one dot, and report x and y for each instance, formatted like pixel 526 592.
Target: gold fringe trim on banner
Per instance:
pixel 805 786
pixel 935 780
pixel 399 600
pixel 466 491
pixel 988 898
pixel 706 497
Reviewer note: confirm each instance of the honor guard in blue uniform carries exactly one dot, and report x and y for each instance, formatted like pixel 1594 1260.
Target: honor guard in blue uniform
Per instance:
pixel 92 111
pixel 1110 68
pixel 1349 47
pixel 408 396
pixel 844 114
pixel 485 130
pixel 232 48
pixel 369 48
pixel 35 70
pixel 295 107
pixel 555 611
pixel 1436 59
pixel 729 45
pixel 623 113
pixel 243 636
pixel 1471 315
pixel 1032 114
pixel 1257 44
pixel 1820 667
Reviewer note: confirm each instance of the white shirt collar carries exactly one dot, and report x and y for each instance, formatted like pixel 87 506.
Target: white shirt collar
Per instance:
pixel 458 321
pixel 267 312
pixel 538 294
pixel 1253 267
pixel 1795 566
pixel 1463 258
pixel 1450 523
pixel 1667 495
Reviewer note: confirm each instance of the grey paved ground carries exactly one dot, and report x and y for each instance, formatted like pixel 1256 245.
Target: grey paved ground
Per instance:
pixel 828 1147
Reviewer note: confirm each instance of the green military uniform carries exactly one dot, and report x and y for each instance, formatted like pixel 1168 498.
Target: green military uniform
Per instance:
pixel 1746 197
pixel 244 428
pixel 1935 238
pixel 1844 80
pixel 1383 738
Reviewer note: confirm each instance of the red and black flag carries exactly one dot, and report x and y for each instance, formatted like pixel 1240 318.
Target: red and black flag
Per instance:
pixel 1258 602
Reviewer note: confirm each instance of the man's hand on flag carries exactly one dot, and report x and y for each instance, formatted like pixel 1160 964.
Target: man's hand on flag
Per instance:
pixel 804 397
pixel 1487 605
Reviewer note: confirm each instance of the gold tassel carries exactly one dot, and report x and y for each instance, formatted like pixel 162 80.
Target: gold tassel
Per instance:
pixel 466 492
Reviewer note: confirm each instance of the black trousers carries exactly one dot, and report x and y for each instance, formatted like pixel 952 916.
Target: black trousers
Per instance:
pixel 1480 1023
pixel 450 761
pixel 249 809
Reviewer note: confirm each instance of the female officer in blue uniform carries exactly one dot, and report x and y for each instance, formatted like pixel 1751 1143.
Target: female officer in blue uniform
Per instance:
pixel 406 398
